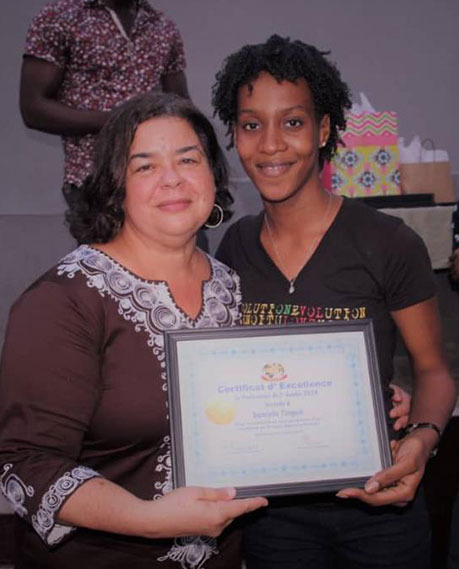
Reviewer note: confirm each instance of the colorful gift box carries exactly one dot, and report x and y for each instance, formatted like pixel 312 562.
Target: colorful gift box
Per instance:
pixel 368 163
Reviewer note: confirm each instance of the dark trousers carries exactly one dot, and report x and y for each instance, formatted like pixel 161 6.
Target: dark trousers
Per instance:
pixel 338 535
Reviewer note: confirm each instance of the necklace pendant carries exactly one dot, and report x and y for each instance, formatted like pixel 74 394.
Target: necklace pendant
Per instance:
pixel 292 287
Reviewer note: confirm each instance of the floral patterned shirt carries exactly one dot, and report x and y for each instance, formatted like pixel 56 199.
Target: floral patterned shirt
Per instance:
pixel 102 66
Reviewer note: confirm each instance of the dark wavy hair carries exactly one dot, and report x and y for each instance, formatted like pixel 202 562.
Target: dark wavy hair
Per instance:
pixel 96 211
pixel 285 60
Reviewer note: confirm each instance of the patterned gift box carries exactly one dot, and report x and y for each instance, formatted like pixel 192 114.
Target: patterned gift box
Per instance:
pixel 368 163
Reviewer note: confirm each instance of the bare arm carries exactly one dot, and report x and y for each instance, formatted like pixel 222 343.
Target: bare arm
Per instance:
pixel 40 82
pixel 101 505
pixel 434 393
pixel 176 83
pixel 434 397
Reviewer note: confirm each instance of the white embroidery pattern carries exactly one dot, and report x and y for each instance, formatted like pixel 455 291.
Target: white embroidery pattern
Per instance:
pixel 164 464
pixel 192 552
pixel 43 521
pixel 149 305
pixel 151 308
pixel 15 490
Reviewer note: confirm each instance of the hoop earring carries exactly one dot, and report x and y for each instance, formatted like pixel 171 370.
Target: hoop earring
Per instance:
pixel 221 215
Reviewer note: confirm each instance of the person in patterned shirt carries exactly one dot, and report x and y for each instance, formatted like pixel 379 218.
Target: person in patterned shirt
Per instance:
pixel 84 57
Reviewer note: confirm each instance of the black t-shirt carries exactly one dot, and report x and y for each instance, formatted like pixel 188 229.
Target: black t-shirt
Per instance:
pixel 367 265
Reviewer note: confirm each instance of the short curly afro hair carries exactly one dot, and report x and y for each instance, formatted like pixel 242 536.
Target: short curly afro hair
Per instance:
pixel 285 60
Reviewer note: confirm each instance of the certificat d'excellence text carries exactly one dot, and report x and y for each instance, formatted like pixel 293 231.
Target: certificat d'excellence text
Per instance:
pixel 260 410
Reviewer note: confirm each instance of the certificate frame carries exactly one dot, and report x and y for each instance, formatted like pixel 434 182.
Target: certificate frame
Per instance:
pixel 213 408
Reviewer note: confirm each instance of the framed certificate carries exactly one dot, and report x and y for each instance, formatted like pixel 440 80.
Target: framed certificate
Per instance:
pixel 276 410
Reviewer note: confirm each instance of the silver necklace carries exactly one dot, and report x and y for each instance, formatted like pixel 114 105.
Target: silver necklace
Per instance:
pixel 310 248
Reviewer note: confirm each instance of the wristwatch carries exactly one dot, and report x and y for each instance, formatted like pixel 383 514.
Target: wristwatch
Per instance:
pixel 414 426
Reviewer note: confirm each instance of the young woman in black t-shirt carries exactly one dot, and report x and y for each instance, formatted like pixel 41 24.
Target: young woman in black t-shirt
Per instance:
pixel 284 104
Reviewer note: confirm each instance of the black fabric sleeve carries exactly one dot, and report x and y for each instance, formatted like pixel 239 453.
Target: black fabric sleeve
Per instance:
pixel 408 276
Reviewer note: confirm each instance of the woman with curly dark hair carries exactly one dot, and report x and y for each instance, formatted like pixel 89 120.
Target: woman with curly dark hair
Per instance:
pixel 84 434
pixel 96 214
pixel 312 256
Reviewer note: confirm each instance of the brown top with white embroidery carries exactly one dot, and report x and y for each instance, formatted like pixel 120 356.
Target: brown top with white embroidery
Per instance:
pixel 83 393
pixel 102 67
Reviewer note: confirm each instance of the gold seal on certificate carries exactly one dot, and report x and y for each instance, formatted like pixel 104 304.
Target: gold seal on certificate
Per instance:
pixel 276 410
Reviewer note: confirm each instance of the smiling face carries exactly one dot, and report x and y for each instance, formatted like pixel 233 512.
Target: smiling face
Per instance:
pixel 169 184
pixel 278 137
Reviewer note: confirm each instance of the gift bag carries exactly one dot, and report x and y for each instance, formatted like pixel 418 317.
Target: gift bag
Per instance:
pixel 426 170
pixel 368 163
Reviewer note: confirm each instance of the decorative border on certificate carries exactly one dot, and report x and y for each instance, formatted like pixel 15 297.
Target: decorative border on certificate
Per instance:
pixel 276 410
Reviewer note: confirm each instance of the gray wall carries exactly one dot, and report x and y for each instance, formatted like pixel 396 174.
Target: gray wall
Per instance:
pixel 404 54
